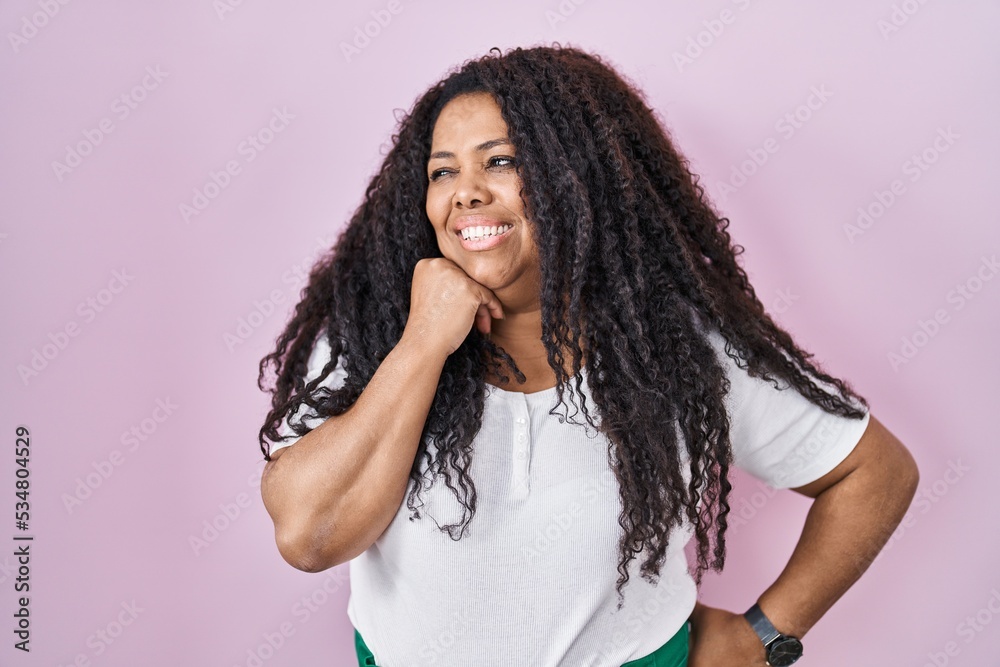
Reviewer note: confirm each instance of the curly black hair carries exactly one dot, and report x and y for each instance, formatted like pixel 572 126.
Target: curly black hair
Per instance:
pixel 635 264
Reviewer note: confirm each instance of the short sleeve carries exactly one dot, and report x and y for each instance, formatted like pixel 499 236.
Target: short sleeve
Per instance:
pixel 318 358
pixel 778 435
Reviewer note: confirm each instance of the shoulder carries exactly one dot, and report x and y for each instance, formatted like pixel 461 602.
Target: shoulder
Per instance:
pixel 776 433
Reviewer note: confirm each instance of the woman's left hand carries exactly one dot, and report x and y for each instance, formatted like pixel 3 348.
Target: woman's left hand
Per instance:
pixel 720 638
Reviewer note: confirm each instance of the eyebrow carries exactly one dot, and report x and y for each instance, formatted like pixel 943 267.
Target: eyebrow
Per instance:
pixel 485 146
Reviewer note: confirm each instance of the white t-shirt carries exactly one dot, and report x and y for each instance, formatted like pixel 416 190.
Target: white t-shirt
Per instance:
pixel 532 581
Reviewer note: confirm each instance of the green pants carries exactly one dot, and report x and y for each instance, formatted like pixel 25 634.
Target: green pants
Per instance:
pixel 672 654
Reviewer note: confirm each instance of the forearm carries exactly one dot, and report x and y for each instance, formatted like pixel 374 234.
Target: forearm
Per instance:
pixel 847 526
pixel 333 492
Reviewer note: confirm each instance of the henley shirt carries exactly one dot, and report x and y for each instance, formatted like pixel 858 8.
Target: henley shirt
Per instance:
pixel 532 580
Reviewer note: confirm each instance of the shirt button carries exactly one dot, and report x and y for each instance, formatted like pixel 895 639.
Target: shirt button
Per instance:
pixel 520 437
pixel 520 420
pixel 521 455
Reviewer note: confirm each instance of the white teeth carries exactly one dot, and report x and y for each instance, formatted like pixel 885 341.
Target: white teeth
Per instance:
pixel 472 233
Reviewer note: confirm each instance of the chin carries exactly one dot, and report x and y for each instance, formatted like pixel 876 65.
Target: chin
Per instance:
pixel 485 278
pixel 484 270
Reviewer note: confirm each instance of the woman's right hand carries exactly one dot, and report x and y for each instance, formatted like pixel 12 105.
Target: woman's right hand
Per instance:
pixel 445 303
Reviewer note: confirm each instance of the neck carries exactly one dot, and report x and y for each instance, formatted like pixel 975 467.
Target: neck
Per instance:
pixel 520 334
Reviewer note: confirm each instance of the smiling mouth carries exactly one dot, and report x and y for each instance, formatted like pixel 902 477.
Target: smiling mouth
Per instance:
pixel 484 232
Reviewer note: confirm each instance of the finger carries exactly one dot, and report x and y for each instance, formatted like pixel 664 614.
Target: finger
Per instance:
pixel 493 304
pixel 483 321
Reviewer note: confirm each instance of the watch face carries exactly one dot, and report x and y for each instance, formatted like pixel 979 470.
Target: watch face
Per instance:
pixel 784 651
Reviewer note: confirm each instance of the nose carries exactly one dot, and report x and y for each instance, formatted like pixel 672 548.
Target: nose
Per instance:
pixel 471 189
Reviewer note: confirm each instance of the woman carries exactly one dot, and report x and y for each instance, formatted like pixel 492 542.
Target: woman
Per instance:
pixel 533 218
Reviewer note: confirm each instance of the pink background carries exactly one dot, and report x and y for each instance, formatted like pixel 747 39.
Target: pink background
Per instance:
pixel 161 336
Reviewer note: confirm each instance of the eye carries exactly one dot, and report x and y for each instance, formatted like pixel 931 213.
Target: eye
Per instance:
pixel 506 161
pixel 497 161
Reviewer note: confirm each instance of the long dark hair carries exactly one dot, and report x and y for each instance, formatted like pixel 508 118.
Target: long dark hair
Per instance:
pixel 635 263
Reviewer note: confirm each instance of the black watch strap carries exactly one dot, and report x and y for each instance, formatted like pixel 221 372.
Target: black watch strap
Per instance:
pixel 761 624
pixel 781 649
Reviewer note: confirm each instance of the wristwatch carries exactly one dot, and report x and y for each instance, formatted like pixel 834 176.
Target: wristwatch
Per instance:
pixel 781 649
